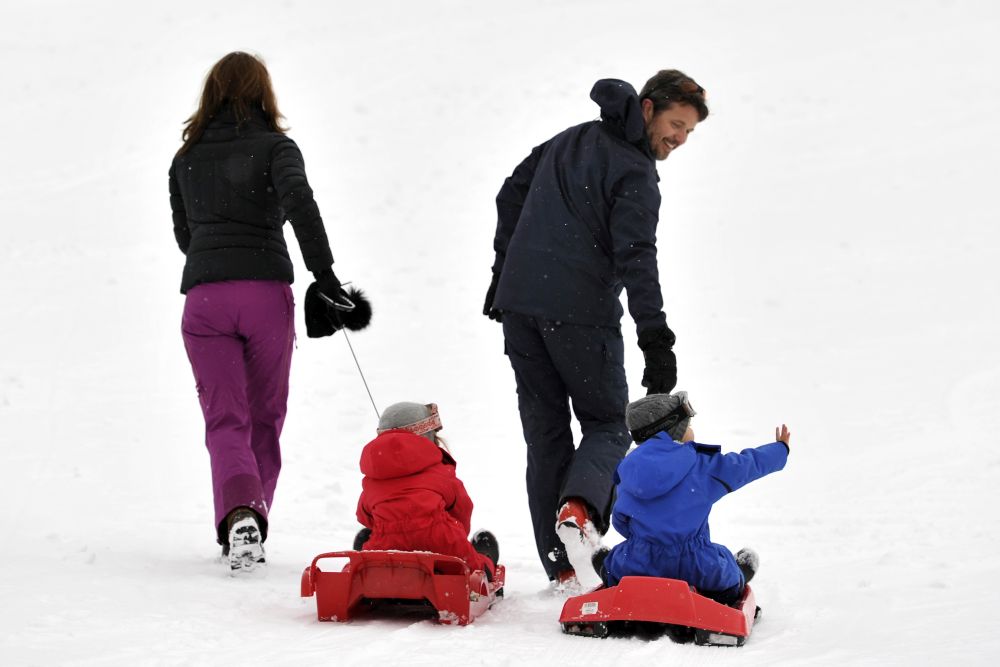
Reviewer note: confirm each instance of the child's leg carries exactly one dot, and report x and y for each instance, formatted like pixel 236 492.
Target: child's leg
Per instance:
pixel 485 542
pixel 730 596
pixel 448 537
pixel 362 538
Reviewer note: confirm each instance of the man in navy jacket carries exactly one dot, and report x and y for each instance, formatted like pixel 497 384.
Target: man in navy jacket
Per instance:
pixel 576 225
pixel 666 489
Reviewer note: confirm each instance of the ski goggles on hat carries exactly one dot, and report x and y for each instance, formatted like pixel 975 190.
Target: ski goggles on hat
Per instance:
pixel 667 422
pixel 430 423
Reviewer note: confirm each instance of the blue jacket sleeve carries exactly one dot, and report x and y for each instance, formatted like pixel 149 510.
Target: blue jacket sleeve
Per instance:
pixel 733 471
pixel 634 214
pixel 510 200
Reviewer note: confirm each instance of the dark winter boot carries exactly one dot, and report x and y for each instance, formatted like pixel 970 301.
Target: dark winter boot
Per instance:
pixel 246 550
pixel 361 538
pixel 485 542
pixel 598 562
pixel 748 561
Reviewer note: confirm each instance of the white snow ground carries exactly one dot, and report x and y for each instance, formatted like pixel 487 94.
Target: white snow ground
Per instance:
pixel 829 249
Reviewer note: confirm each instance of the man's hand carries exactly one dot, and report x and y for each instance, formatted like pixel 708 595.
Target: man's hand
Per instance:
pixel 488 309
pixel 660 374
pixel 782 435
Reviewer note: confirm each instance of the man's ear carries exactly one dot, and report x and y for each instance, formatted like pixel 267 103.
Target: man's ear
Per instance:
pixel 647 110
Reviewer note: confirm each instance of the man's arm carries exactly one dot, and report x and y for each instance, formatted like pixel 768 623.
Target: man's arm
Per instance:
pixel 635 209
pixel 510 200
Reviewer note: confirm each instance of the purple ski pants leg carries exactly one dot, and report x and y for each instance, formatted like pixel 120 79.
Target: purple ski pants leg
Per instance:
pixel 239 337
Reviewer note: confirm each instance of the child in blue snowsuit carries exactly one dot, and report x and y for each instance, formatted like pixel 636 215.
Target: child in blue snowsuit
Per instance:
pixel 665 491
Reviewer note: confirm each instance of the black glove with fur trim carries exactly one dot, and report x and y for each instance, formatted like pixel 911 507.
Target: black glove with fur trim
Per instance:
pixel 329 308
pixel 660 375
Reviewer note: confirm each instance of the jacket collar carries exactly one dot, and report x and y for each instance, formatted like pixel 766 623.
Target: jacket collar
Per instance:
pixel 224 125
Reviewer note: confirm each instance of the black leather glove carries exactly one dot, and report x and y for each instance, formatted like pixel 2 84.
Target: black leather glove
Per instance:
pixel 488 309
pixel 321 318
pixel 660 375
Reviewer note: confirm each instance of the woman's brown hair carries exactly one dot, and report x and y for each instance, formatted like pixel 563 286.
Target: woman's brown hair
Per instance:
pixel 241 81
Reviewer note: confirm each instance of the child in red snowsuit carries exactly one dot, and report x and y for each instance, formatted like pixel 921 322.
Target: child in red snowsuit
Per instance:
pixel 411 499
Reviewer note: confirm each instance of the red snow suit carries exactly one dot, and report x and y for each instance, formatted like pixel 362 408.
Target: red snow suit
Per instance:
pixel 412 500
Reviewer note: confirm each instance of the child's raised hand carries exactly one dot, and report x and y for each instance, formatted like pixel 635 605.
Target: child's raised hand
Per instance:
pixel 782 435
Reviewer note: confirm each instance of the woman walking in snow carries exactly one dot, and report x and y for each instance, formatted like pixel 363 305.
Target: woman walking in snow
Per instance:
pixel 233 183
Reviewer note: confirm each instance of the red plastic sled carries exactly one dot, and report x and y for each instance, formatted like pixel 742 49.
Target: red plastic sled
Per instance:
pixel 641 601
pixel 445 585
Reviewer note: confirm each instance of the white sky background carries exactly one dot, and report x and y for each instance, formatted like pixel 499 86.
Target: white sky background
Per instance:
pixel 828 252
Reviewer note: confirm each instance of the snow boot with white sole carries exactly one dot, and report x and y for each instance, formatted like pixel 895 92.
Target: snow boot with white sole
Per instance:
pixel 246 548
pixel 579 535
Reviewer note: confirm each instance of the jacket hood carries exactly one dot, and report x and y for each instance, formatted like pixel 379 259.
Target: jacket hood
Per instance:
pixel 656 466
pixel 398 453
pixel 620 108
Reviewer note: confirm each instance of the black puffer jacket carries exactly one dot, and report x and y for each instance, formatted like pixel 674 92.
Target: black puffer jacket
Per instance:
pixel 231 193
pixel 577 222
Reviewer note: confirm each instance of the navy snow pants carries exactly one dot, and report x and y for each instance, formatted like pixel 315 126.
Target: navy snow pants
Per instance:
pixel 555 364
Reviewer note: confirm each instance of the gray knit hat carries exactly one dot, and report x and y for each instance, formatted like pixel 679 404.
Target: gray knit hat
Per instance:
pixel 659 412
pixel 416 418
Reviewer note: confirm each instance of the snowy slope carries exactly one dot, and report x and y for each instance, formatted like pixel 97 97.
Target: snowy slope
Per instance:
pixel 829 251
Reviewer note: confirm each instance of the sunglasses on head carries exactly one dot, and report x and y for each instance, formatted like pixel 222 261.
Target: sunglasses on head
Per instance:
pixel 687 87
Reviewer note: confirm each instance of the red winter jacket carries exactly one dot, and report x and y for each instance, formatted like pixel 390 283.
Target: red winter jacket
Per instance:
pixel 412 500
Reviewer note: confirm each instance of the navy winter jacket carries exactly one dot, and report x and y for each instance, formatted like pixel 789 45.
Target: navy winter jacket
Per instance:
pixel 665 492
pixel 231 193
pixel 577 222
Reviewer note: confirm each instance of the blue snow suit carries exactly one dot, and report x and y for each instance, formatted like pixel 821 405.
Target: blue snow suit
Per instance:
pixel 665 492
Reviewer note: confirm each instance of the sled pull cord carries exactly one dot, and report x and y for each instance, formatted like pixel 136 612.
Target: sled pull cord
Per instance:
pixel 377 414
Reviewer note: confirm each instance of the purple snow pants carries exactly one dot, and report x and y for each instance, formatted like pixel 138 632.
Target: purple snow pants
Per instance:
pixel 239 336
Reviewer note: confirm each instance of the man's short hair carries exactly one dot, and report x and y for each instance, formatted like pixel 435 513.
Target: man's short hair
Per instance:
pixel 671 86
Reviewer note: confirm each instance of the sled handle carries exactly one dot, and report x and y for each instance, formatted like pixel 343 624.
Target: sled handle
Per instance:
pixel 308 584
pixel 331 554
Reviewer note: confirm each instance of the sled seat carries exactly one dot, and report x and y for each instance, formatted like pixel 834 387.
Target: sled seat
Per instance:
pixel 445 585
pixel 637 602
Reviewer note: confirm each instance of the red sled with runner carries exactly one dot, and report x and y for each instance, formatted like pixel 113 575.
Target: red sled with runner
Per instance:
pixel 443 586
pixel 639 604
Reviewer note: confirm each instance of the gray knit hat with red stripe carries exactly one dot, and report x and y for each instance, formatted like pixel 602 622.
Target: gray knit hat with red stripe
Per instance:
pixel 417 418
pixel 659 412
